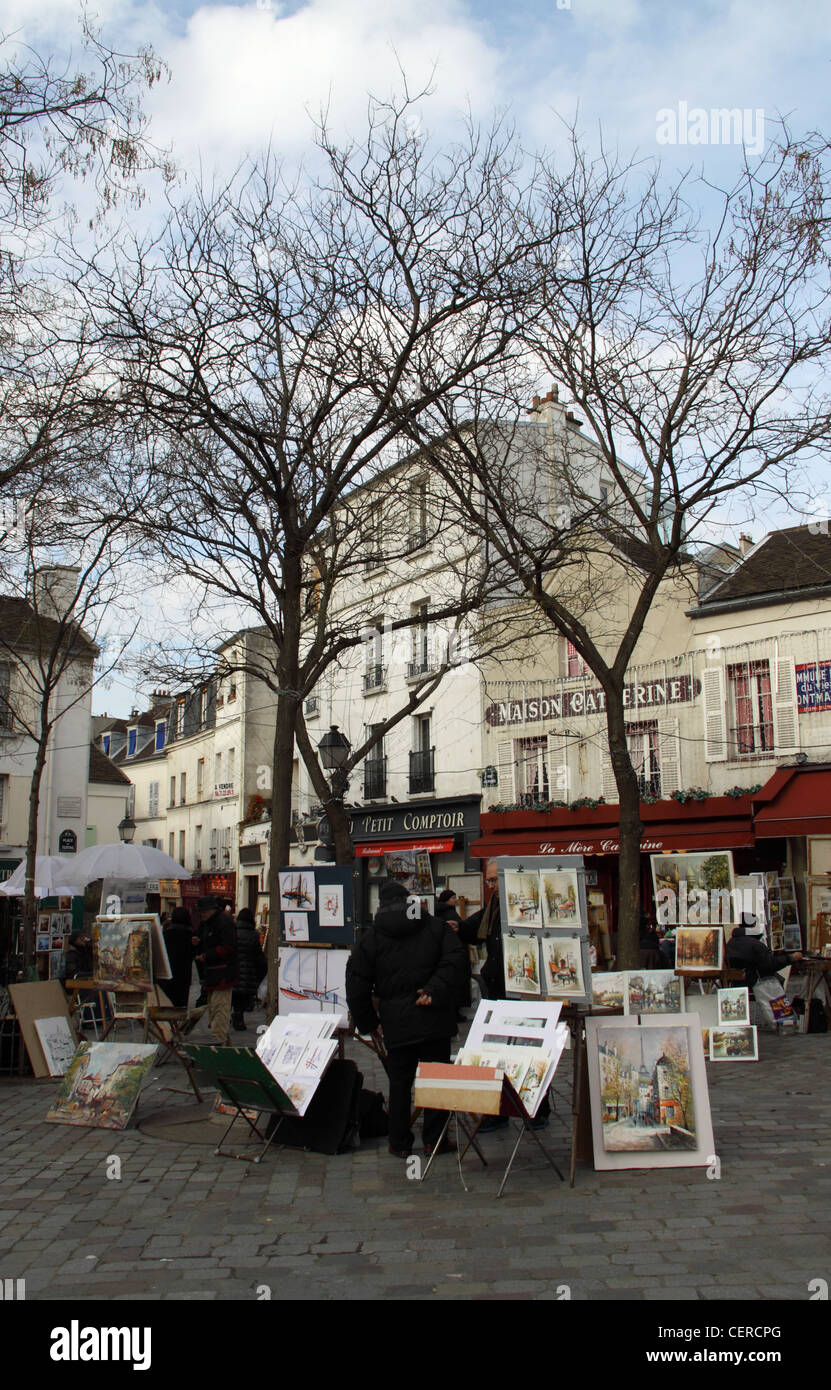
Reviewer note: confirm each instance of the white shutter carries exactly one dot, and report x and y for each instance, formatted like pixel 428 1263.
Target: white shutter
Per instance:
pixel 214 847
pixel 153 799
pixel 669 755
pixel 507 771
pixel 610 792
pixel 559 777
pixel 715 715
pixel 785 721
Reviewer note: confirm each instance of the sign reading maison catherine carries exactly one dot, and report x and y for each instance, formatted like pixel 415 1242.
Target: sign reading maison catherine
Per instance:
pixel 566 704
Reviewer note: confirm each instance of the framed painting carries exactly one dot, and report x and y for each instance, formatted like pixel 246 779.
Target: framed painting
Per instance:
pixel 522 964
pixel 58 1043
pixel 566 968
pixel 560 898
pixel 733 1006
pixel 650 1106
pixel 43 943
pixel 654 992
pixel 695 889
pixel 734 1044
pixel 522 898
pixel 819 855
pixel 102 1083
pixel 122 951
pixel 699 948
pixel 609 990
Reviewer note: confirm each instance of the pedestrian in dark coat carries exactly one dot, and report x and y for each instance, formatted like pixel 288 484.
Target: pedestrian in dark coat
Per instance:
pixel 485 927
pixel 178 938
pixel 447 911
pixel 251 968
pixel 414 965
pixel 216 947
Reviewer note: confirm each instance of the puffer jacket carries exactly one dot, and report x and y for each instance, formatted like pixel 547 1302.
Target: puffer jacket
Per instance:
pixel 251 963
pixel 395 958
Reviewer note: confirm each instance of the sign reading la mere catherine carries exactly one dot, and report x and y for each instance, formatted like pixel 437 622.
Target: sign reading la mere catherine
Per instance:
pixel 566 704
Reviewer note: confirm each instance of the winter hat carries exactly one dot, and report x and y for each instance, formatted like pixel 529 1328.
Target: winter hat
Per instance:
pixel 446 895
pixel 392 893
pixel 180 917
pixel 206 905
pixel 246 916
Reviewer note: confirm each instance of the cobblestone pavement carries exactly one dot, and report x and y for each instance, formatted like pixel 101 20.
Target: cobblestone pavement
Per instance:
pixel 184 1224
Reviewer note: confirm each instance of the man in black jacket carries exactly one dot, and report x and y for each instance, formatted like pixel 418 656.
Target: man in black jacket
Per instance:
pixel 485 927
pixel 747 950
pixel 216 950
pixel 415 966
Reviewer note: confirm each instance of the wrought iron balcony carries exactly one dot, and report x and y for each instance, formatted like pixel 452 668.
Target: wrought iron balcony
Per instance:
pixel 374 678
pixel 375 779
pixel 422 770
pixel 421 667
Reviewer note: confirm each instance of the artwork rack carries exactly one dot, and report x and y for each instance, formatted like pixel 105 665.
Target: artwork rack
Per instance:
pixel 242 1080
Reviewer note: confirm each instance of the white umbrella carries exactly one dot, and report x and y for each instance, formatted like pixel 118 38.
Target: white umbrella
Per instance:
pixel 50 878
pixel 121 861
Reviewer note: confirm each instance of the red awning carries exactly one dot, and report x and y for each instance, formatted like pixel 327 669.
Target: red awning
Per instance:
pixel 658 839
pixel 796 801
pixel 370 850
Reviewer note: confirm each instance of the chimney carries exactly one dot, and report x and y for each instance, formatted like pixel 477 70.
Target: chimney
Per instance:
pixel 745 544
pixel 55 587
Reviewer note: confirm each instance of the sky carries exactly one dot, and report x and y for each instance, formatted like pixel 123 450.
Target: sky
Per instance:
pixel 248 74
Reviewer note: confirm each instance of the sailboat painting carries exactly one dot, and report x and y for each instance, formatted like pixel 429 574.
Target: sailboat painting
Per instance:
pixel 297 891
pixel 312 981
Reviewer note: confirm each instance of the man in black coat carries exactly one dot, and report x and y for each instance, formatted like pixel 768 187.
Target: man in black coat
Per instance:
pixel 216 950
pixel 178 936
pixel 415 966
pixel 251 968
pixel 486 927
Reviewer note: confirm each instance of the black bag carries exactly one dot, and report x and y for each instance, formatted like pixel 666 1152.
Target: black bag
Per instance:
pixel 374 1120
pixel 330 1125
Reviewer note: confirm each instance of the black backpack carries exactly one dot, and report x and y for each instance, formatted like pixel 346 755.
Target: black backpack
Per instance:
pixel 330 1125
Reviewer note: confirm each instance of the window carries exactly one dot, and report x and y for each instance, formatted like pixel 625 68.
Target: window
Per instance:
pixel 422 766
pixel 153 799
pixel 532 769
pixel 604 493
pixel 750 709
pixel 218 769
pixel 200 778
pixel 160 728
pixel 181 846
pixel 203 707
pixel 131 800
pixel 374 673
pixel 180 718
pixel 642 742
pixel 171 844
pixel 421 659
pixel 214 847
pixel 6 717
pixel 197 846
pixel 232 688
pixel 4 787
pixel 225 845
pixel 372 539
pixel 575 665
pixel 107 744
pixel 131 742
pixel 183 783
pixel 231 768
pixel 172 801
pixel 418 515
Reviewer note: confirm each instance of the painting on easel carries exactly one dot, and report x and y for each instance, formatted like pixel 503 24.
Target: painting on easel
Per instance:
pixel 122 952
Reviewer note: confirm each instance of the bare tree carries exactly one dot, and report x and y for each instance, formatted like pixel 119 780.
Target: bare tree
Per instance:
pixel 695 358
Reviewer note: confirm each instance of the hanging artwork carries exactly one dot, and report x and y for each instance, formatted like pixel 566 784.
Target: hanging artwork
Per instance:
pixel 297 891
pixel 522 964
pixel 102 1083
pixel 609 990
pixel 699 948
pixel 522 899
pixel 312 980
pixel 695 889
pixel 733 1006
pixel 560 898
pixel 734 1044
pixel 43 943
pixel 654 992
pixel 648 1089
pixel 563 967
pixel 330 905
pixel 296 926
pixel 58 1043
pixel 412 869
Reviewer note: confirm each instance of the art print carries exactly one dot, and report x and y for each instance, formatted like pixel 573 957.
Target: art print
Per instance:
pixel 57 1042
pixel 699 948
pixel 412 869
pixel 733 1006
pixel 705 1006
pixel 312 980
pixel 102 1083
pixel 522 964
pixel 290 1055
pixel 563 967
pixel 522 898
pixel 532 1085
pixel 609 990
pixel 695 889
pixel 734 1045
pixel 654 992
pixel 43 943
pixel 56 965
pixel 791 939
pixel 646 1090
pixel 560 898
pixel 317 1057
pixel 295 926
pixel 297 891
pixel 330 911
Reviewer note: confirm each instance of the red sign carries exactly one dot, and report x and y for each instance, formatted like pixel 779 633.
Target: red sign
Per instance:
pixel 369 851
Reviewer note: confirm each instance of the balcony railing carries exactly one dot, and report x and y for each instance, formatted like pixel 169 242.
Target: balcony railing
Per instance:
pixel 374 678
pixel 311 706
pixel 373 560
pixel 422 770
pixel 375 779
pixel 649 786
pixel 421 667
pixel 417 540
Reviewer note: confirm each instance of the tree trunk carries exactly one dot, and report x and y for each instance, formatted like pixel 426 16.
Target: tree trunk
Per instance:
pixel 341 827
pixel 30 911
pixel 629 861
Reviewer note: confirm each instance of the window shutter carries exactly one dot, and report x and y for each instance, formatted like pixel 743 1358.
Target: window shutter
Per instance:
pixel 153 799
pixel 715 715
pixel 507 771
pixel 559 780
pixel 607 776
pixel 785 721
pixel 669 753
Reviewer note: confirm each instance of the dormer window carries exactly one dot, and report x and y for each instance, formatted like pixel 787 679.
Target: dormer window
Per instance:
pixel 106 742
pixel 131 742
pixel 160 732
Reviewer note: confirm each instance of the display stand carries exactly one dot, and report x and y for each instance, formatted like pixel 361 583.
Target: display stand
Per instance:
pixel 242 1080
pixel 170 1026
pixel 817 970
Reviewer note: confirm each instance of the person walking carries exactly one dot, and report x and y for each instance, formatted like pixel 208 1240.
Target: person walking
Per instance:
pixel 414 965
pixel 178 938
pixel 251 967
pixel 216 950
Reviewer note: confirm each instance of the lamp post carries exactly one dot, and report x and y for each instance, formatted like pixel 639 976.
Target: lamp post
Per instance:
pixel 334 749
pixel 333 829
pixel 126 828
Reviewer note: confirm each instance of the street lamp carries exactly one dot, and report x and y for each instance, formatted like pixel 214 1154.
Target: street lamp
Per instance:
pixel 334 749
pixel 126 828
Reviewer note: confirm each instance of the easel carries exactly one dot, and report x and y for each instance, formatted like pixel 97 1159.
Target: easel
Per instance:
pixel 241 1079
pixel 161 1020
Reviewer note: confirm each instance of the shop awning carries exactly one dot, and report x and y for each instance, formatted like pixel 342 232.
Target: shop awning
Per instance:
pixel 795 801
pixel 660 840
pixel 668 827
pixel 375 847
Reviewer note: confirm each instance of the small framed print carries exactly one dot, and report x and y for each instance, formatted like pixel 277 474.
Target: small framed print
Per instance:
pixel 732 1044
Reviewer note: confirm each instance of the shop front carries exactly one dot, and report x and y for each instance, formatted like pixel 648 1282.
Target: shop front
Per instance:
pixel 422 844
pixel 222 886
pixel 794 809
